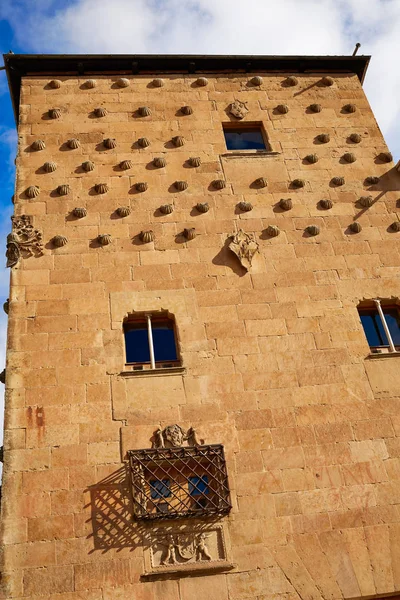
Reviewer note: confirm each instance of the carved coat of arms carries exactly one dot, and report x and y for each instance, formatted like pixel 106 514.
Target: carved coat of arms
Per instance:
pixel 23 241
pixel 238 109
pixel 244 246
pixel 174 435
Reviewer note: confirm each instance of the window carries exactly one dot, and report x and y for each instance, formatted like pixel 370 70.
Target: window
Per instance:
pixel 244 138
pixel 179 482
pixel 150 341
pixel 381 324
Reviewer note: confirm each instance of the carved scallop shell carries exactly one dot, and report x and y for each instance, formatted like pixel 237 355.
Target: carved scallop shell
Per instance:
pixel 338 181
pixel 328 81
pixel 147 236
pixel 202 81
pixel 187 110
pixel 123 211
pixel 195 161
pixel 350 108
pixel 282 108
pixel 245 206
pixel 219 184
pixel 395 226
pixel 311 158
pixel 3 376
pixel 144 142
pixel 90 83
pixel 159 162
pixel 203 207
pixel 326 204
pixel 261 182
pixel 63 189
pixel 104 239
pixel 79 212
pixel 324 138
pixel 158 82
pixel 298 183
pixel 178 141
pixel 166 209
pixel 286 203
pixel 144 111
pixel 355 138
pixel 110 143
pixel 292 81
pixel 100 112
pixel 88 166
pixel 366 201
pixel 73 143
pixel 272 230
pixel 181 185
pixel 349 157
pixel 50 167
pixel 256 80
pixel 54 113
pixel 189 233
pixel 6 306
pixel 125 165
pixel 101 188
pixel 59 241
pixel 372 180
pixel 312 229
pixel 316 108
pixel 355 227
pixel 38 145
pixel 141 186
pixel 122 83
pixel 32 191
pixel 55 84
pixel 386 157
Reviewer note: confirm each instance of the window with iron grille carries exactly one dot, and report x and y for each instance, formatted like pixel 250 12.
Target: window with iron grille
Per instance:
pixel 381 323
pixel 179 482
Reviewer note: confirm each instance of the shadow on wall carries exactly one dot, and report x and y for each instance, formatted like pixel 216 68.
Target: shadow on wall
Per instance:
pixel 112 513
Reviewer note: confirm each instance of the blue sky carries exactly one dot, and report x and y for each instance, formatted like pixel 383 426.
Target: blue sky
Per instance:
pixel 198 27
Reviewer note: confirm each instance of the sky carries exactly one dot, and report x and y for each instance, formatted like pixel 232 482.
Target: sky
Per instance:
pixel 318 27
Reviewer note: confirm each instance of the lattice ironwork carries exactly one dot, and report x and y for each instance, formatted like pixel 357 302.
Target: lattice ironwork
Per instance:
pixel 178 482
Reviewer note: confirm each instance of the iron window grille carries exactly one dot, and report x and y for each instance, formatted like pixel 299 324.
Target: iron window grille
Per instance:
pixel 179 482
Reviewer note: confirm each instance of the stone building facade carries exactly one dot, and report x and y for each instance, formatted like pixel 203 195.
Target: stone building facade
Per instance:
pixel 263 433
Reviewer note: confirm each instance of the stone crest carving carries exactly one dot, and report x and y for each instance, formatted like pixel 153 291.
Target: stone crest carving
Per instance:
pixel 238 109
pixel 24 241
pixel 174 435
pixel 244 246
pixel 186 549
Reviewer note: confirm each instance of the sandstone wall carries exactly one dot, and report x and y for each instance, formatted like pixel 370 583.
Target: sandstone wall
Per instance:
pixel 276 359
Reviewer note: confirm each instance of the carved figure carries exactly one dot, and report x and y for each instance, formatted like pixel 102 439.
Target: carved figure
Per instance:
pixel 174 435
pixel 171 554
pixel 23 241
pixel 244 246
pixel 238 109
pixel 202 551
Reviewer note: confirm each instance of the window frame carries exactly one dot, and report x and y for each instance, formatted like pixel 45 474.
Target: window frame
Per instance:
pixel 153 364
pixel 229 125
pixel 376 309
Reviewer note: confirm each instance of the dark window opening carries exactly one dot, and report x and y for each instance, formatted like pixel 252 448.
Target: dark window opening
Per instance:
pixel 161 338
pixel 244 138
pixel 374 329
pixel 160 488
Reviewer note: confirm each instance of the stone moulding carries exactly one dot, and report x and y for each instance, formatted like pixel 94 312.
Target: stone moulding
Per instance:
pixel 147 236
pixel 189 233
pixel 32 191
pixel 244 246
pixel 238 109
pixel 110 143
pixel 104 239
pixel 73 143
pixel 23 241
pixel 38 145
pixel 80 212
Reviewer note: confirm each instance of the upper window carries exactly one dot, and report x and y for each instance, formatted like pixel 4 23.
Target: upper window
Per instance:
pixel 244 138
pixel 381 324
pixel 150 340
